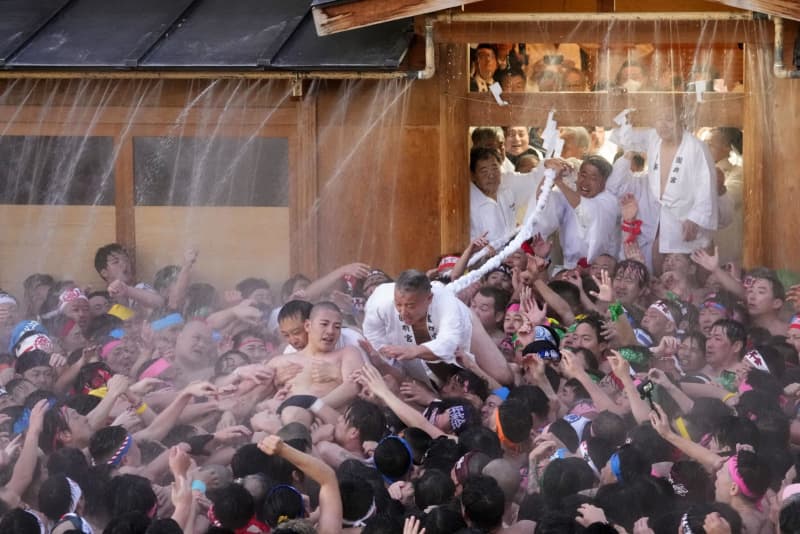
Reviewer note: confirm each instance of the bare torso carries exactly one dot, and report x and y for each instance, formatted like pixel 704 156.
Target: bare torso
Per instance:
pixel 319 373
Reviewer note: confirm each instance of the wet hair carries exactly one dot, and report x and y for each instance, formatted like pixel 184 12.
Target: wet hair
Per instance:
pixel 357 498
pixel 164 526
pixel 324 305
pixel 130 493
pixel 488 46
pixel 83 404
pixel 233 505
pixel 609 426
pixel 354 469
pixel 71 462
pixel 442 454
pixel 433 488
pixel 734 331
pixel 392 458
pixel 474 383
pixel 367 418
pixel 288 286
pixel 53 423
pixel 105 442
pixel 420 442
pixel 706 416
pixel 443 520
pixel 199 296
pixel 569 292
pixel 55 498
pixel 92 376
pixel 19 521
pixel 247 286
pixel 536 401
pixel 219 365
pixel 99 327
pixel 778 290
pixel 249 460
pixel 754 470
pixel 300 309
pixel 599 451
pixel 565 477
pixel 499 296
pixel 282 502
pixel 692 477
pixel 31 359
pixel 733 430
pixel 103 253
pixel 638 268
pixel 482 439
pixel 515 419
pixel 789 517
pixel 483 502
pixel 565 433
pixel 413 281
pixel 650 444
pixel 165 276
pixel 556 522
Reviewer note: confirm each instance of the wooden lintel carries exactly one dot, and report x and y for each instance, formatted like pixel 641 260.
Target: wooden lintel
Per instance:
pixel 335 18
pixel 789 9
pixel 609 33
pixel 582 109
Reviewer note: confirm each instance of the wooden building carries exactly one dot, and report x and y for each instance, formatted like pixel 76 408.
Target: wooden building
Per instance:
pixel 373 156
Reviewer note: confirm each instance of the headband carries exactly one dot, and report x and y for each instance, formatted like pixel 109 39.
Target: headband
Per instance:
pixel 42 529
pixel 457 417
pixel 583 449
pixel 21 329
pixel 447 263
pixel 680 424
pixel 462 467
pixel 685 524
pixel 513 308
pixel 165 322
pixel 755 359
pixel 109 347
pixel 35 342
pixel 795 323
pixel 155 368
pixel 790 491
pixel 633 356
pixel 410 455
pixel 714 305
pixel 250 339
pixel 615 467
pixel 67 328
pixel 662 308
pixel 68 296
pixel 120 453
pixel 121 312
pixel 75 494
pixel 5 298
pixel 733 469
pixel 294 490
pixel 514 447
pixel 362 522
pixel 501 392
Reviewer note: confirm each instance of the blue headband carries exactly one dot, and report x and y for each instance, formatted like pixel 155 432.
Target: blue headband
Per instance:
pixel 117 333
pixel 410 456
pixel 502 393
pixel 117 457
pixel 615 467
pixel 165 322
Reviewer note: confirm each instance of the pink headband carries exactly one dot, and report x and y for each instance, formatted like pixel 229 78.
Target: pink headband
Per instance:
pixel 109 347
pixel 790 490
pixel 67 328
pixel 795 322
pixel 739 481
pixel 512 308
pixel 249 340
pixel 156 368
pixel 70 295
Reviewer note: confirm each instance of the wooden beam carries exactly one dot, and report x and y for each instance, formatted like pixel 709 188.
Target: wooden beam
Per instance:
pixel 608 32
pixel 304 192
pixel 125 195
pixel 344 16
pixel 789 9
pixel 453 148
pixel 581 109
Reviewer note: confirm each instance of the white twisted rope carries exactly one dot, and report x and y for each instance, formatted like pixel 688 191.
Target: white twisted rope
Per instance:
pixel 552 146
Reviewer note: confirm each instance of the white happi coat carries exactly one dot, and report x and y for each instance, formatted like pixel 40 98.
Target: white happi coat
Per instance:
pixel 690 192
pixel 449 326
pixel 497 217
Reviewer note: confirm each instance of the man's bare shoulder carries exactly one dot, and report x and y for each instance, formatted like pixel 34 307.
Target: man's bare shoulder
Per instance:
pixel 283 359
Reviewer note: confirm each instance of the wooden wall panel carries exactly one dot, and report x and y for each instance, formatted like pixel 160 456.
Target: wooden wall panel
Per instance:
pixel 234 243
pixel 378 175
pixel 522 6
pixel 60 240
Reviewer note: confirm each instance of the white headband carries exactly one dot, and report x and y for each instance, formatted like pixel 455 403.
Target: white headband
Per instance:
pixel 360 522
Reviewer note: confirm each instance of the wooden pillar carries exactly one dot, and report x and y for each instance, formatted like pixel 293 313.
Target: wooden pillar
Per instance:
pixel 756 156
pixel 304 191
pixel 453 147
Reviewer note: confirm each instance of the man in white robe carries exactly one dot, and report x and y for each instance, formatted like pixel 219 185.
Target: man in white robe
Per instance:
pixel 677 195
pixel 418 325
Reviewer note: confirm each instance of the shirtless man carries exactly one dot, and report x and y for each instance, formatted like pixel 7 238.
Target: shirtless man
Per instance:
pixel 319 369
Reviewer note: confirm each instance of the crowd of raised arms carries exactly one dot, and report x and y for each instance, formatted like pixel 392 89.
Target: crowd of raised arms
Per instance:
pixel 614 374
